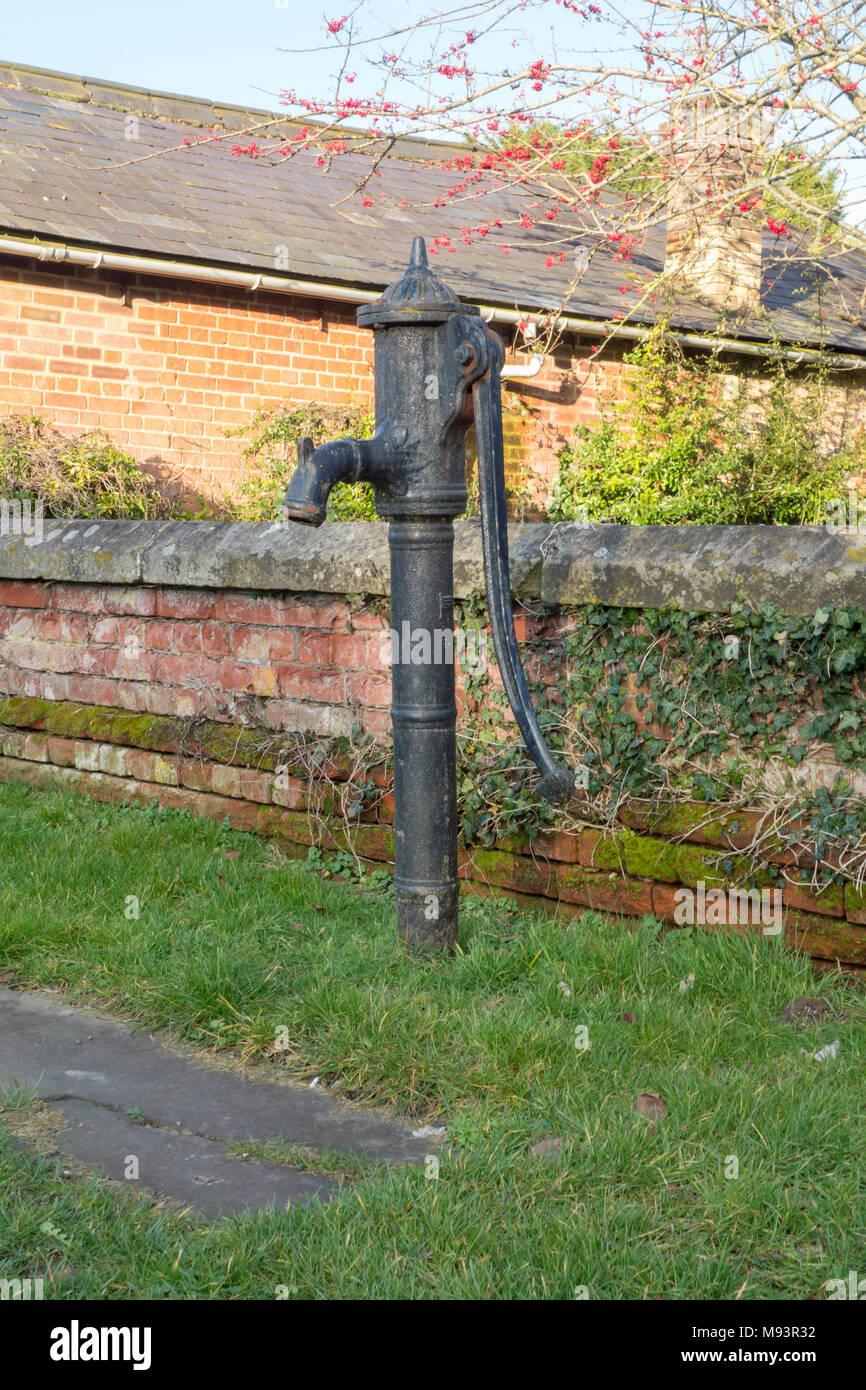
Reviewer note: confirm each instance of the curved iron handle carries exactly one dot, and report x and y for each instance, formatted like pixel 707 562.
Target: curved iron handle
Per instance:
pixel 557 783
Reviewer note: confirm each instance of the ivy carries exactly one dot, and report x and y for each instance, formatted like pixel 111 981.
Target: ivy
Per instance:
pixel 668 706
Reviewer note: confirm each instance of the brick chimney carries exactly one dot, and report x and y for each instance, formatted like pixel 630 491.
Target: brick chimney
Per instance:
pixel 714 212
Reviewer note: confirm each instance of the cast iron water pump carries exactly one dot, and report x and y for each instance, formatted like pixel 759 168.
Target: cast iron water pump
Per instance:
pixel 437 367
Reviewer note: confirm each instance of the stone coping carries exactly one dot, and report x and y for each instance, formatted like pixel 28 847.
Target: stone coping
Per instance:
pixel 798 569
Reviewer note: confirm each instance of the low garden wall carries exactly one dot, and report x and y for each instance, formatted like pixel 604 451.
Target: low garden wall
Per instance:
pixel 705 681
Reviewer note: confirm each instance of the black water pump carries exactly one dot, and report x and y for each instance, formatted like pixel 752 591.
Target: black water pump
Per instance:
pixel 437 368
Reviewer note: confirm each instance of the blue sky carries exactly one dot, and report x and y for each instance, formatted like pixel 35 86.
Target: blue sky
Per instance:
pixel 223 49
pixel 230 49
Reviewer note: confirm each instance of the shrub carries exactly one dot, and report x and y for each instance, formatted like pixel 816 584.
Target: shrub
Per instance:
pixel 272 459
pixel 83 476
pixel 680 449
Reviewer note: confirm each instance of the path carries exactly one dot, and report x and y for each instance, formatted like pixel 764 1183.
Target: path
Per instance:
pixel 94 1070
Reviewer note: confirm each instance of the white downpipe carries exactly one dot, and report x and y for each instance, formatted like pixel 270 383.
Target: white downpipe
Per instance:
pixel 531 368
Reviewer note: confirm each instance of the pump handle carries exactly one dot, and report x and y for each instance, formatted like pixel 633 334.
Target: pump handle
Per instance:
pixel 557 783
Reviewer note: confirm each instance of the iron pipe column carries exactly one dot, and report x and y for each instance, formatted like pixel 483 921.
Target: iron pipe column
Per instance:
pixel 424 723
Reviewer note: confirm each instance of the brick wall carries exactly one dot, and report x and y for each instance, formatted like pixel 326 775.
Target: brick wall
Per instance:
pixel 201 698
pixel 167 367
pixel 542 412
pixel 285 662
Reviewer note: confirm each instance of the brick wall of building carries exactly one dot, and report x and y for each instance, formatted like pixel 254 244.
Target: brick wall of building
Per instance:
pixel 169 368
pixel 166 367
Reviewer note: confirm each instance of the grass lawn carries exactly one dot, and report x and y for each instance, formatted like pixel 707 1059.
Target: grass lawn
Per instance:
pixel 235 946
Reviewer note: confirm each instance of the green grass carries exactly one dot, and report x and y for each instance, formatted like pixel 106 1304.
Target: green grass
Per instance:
pixel 239 952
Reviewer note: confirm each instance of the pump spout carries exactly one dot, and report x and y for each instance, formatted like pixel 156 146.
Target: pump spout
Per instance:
pixel 342 461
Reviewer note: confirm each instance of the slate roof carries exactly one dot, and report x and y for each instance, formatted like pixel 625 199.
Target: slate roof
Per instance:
pixel 68 173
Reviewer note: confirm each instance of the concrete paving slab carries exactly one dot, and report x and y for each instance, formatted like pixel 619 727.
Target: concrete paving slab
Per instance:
pixel 192 1170
pixel 96 1068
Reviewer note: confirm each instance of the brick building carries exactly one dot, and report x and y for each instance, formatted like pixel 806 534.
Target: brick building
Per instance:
pixel 166 299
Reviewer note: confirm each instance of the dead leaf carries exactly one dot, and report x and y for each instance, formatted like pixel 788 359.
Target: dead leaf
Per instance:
pixel 233 853
pixel 651 1106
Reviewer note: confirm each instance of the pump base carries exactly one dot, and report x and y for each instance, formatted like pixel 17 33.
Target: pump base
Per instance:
pixel 427 916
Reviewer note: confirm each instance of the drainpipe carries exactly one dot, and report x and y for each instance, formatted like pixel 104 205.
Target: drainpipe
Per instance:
pixel 523 371
pixel 282 284
pixel 182 270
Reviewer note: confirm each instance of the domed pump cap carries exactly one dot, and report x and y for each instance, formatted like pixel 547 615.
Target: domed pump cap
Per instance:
pixel 418 296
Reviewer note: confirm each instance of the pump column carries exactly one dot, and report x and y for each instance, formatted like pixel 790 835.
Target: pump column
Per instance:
pixel 424 721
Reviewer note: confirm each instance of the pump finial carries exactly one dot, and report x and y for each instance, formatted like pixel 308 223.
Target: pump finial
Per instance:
pixel 419 296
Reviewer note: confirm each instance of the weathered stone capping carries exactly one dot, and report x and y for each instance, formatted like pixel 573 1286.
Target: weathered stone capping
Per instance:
pixel 188 662
pixel 694 568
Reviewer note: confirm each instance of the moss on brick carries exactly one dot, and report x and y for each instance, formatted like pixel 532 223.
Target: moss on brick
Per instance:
pixel 72 720
pixel 828 938
pixel 683 818
pixel 254 748
pixel 692 820
pixel 606 892
pixel 24 711
pixel 647 856
pixel 505 870
pixel 829 900
pixel 855 903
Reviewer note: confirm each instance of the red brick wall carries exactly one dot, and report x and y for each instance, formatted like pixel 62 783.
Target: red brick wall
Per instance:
pixel 298 664
pixel 166 367
pixel 310 665
pixel 542 412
